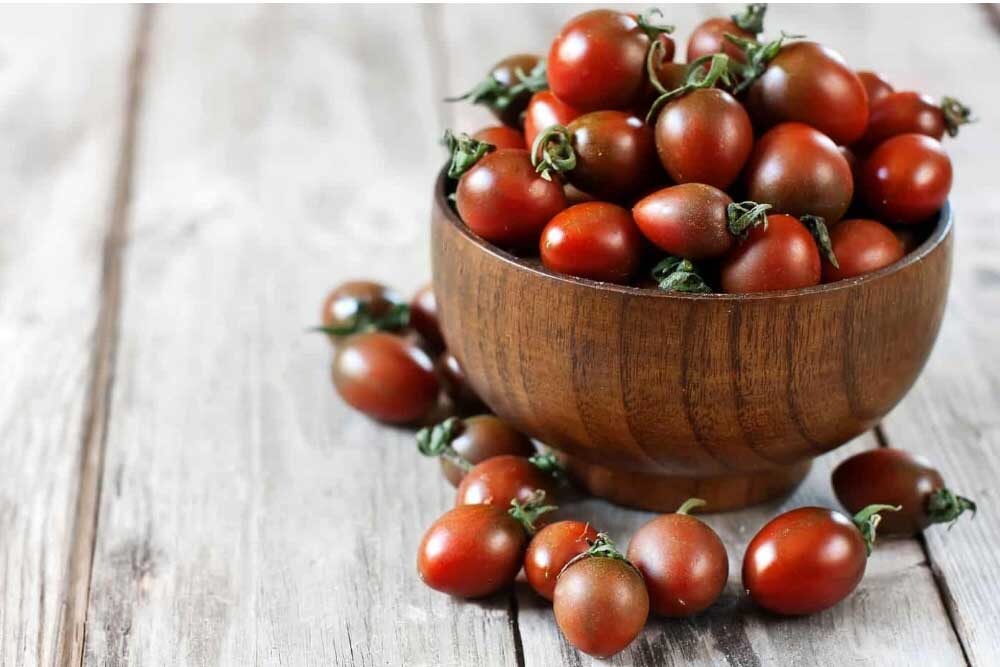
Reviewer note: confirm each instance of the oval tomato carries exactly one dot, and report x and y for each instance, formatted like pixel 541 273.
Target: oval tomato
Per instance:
pixel 455 384
pixel 907 112
pixel 501 136
pixel 709 37
pixel 906 179
pixel 689 220
pixel 861 246
pixel 424 317
pixel 463 443
pixel 780 256
pixel 504 92
pixel 876 87
pixel 594 240
pixel 615 155
pixel 544 111
pixel 500 479
pixel 551 549
pixel 359 305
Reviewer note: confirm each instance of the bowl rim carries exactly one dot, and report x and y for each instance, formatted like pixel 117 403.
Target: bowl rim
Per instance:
pixel 941 231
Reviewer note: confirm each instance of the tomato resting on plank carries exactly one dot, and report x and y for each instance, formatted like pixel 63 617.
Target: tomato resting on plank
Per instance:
pixel 551 549
pixel 362 305
pixel 462 443
pixel 502 479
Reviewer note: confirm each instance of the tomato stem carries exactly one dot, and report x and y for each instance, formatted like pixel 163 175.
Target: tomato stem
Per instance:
pixel 867 521
pixel 757 57
pixel 497 96
pixel 397 318
pixel 696 77
pixel 689 505
pixel 547 462
pixel 676 274
pixel 436 441
pixel 553 152
pixel 752 18
pixel 652 64
pixel 744 215
pixel 527 513
pixel 956 114
pixel 817 227
pixel 465 152
pixel 645 21
pixel 943 506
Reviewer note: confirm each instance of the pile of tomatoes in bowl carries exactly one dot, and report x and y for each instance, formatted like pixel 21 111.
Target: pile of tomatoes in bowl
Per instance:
pixel 757 165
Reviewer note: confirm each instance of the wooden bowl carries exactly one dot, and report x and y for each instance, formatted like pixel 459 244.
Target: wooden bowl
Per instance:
pixel 654 397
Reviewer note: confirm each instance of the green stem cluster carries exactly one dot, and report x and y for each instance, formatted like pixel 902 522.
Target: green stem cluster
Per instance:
pixel 436 441
pixel 527 513
pixel 867 521
pixel 552 152
pixel 817 227
pixel 676 274
pixel 956 114
pixel 696 77
pixel 499 96
pixel 744 215
pixel 395 319
pixel 465 152
pixel 943 506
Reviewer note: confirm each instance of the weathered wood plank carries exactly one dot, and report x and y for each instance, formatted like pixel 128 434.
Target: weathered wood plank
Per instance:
pixel 248 516
pixel 62 107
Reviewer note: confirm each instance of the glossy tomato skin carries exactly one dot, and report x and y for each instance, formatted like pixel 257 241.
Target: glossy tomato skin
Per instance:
pixel 386 377
pixel 501 136
pixel 779 257
pixel 455 384
pixel 861 246
pixel 504 200
pixel 501 479
pixel 484 437
pixel 601 605
pixel 683 562
pixel 904 112
pixel 615 154
pixel 505 72
pixel 810 83
pixel 594 240
pixel 704 136
pixel 598 61
pixel 688 220
pixel 341 306
pixel 804 561
pixel 551 549
pixel 897 478
pixel 799 171
pixel 906 179
pixel 709 38
pixel 876 87
pixel 544 111
pixel 472 551
pixel 424 317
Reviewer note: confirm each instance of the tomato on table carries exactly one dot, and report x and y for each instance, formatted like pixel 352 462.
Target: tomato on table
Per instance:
pixel 544 111
pixel 594 240
pixel 898 478
pixel 906 179
pixel 362 305
pixel 456 384
pixel 861 246
pixel 501 479
pixel 781 256
pixel 424 317
pixel 463 443
pixel 551 549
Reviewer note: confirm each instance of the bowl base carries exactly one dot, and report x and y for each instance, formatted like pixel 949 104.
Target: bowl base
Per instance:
pixel 665 493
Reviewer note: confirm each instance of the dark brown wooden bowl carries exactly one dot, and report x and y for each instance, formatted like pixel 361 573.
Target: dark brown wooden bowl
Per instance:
pixel 655 397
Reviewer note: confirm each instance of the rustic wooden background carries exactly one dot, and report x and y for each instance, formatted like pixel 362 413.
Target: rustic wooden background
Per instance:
pixel 180 187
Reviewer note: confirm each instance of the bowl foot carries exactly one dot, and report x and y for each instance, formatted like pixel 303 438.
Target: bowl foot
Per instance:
pixel 665 493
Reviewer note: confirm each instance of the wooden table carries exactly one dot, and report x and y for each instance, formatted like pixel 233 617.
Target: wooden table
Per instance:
pixel 182 185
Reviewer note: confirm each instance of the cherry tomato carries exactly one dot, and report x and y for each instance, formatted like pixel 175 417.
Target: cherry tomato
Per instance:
pixel 386 377
pixel 424 317
pixel 704 136
pixel 594 240
pixel 808 559
pixel 601 603
pixel 476 550
pixel 861 246
pixel 614 152
pixel 898 478
pixel 598 60
pixel 359 305
pixel 876 87
pixel 501 479
pixel 462 443
pixel 453 381
pixel 503 199
pixel 551 549
pixel 544 111
pixel 809 83
pixel 780 256
pixel 503 91
pixel 683 562
pixel 709 37
pixel 907 112
pixel 689 220
pixel 501 136
pixel 798 171
pixel 906 179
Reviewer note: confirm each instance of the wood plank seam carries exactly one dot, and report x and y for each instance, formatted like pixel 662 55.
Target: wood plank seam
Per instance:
pixel 947 601
pixel 71 633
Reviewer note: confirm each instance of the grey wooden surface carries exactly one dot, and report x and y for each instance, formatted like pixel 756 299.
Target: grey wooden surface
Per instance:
pixel 183 184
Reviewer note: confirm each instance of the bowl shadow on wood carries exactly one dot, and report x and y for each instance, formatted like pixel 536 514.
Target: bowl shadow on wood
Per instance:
pixel 653 397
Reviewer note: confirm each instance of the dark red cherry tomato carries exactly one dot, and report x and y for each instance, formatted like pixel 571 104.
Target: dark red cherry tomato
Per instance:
pixel 360 305
pixel 809 83
pixel 898 478
pixel 704 136
pixel 861 246
pixel 544 111
pixel 501 479
pixel 799 171
pixel 551 549
pixel 424 317
pixel 689 220
pixel 501 136
pixel 780 256
pixel 463 443
pixel 600 601
pixel 504 92
pixel 455 384
pixel 709 37
pixel 476 550
pixel 808 559
pixel 385 377
pixel 593 240
pixel 876 87
pixel 907 112
pixel 503 199
pixel 598 60
pixel 906 179
pixel 683 562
